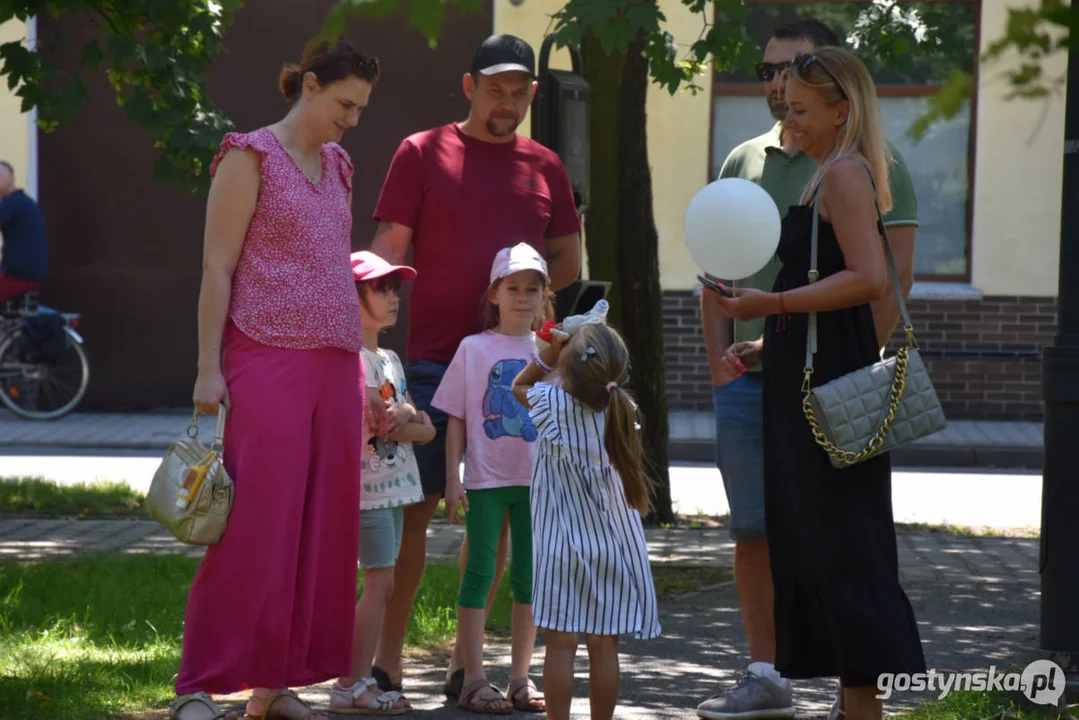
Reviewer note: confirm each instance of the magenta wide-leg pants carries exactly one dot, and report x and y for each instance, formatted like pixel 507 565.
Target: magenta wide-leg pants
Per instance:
pixel 272 604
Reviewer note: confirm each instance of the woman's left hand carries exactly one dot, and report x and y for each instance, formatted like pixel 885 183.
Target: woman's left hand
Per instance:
pixel 748 303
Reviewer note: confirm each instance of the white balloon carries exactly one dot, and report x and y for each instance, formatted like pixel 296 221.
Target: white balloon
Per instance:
pixel 732 228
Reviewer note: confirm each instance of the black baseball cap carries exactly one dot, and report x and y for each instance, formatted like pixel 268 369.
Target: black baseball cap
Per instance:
pixel 504 53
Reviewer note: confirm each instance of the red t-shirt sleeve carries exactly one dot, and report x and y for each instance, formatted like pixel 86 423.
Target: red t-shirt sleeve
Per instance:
pixel 450 397
pixel 564 218
pixel 402 192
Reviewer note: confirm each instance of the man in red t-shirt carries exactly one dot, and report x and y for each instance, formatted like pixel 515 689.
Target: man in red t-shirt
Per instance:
pixel 457 194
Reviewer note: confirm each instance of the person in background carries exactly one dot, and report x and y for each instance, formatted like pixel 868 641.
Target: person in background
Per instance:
pixel 23 257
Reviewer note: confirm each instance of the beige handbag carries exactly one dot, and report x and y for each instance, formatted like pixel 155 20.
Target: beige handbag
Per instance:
pixel 879 407
pixel 191 494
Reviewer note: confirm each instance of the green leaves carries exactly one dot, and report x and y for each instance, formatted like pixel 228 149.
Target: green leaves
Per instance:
pixel 945 105
pixel 92 55
pixel 155 53
pixel 616 23
pixel 1032 34
pixel 19 64
pixel 427 16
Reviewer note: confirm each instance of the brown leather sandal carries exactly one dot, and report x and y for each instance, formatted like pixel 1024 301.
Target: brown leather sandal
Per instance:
pixel 525 696
pixel 272 714
pixel 201 698
pixel 485 703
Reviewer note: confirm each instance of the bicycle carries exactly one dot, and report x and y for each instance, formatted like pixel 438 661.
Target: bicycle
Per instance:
pixel 44 371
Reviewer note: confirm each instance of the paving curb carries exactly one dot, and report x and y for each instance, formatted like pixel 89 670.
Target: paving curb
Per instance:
pixel 1010 458
pixel 160 445
pixel 154 432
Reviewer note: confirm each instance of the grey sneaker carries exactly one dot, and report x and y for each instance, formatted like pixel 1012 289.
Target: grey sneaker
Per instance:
pixel 754 697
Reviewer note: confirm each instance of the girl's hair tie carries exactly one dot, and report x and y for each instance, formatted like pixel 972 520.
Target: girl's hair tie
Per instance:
pixel 589 352
pixel 611 385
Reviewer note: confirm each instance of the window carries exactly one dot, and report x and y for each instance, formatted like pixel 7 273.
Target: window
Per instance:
pixel 925 40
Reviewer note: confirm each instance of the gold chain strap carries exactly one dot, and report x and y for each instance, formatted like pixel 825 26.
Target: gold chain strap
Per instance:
pixel 875 443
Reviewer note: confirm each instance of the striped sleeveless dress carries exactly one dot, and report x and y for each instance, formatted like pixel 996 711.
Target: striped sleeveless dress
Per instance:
pixel 590 571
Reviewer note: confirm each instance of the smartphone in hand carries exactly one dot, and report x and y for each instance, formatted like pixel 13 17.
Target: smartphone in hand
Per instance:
pixel 716 286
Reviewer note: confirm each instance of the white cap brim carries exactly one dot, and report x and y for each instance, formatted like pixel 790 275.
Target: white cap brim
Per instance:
pixel 505 67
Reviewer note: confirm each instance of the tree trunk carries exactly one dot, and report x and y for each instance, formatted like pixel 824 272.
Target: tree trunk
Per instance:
pixel 638 273
pixel 604 75
pixel 623 245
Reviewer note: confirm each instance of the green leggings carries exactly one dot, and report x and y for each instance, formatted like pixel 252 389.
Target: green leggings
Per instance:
pixel 486 509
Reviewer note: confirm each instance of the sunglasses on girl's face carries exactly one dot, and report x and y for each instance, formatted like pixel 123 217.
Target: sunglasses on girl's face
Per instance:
pixel 767 71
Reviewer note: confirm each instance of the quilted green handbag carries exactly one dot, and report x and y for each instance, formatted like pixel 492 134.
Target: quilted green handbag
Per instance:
pixel 879 407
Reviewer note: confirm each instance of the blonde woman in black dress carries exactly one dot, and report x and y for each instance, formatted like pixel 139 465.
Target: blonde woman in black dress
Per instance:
pixel 839 608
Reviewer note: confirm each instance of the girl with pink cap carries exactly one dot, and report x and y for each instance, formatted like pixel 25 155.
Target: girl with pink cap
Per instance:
pixel 391 480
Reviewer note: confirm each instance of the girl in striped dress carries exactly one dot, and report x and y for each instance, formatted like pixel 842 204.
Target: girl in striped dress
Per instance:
pixel 590 563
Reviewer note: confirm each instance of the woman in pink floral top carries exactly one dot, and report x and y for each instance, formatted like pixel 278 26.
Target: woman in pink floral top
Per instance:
pixel 279 342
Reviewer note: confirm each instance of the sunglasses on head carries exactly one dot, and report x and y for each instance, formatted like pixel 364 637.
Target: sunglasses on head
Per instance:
pixel 767 71
pixel 367 66
pixel 802 63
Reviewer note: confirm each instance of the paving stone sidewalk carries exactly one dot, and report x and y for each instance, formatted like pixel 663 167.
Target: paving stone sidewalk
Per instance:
pixel 975 599
pixel 964 443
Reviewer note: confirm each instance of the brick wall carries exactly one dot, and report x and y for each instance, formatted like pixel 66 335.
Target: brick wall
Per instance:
pixel 689 382
pixel 984 355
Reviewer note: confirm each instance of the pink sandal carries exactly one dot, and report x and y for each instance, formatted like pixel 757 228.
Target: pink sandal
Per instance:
pixel 346 701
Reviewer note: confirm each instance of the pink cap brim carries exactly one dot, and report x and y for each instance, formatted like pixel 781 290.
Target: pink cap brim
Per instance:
pixel 406 272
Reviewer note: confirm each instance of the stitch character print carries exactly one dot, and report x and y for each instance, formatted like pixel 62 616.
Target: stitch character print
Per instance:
pixel 504 416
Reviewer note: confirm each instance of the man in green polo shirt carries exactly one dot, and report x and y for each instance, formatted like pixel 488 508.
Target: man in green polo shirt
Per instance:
pixel 783 170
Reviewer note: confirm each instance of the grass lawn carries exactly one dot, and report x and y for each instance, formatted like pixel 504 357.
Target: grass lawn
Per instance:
pixel 100 636
pixel 37 496
pixel 984 706
pixel 969 530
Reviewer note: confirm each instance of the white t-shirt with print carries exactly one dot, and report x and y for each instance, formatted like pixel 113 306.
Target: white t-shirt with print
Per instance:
pixel 390 475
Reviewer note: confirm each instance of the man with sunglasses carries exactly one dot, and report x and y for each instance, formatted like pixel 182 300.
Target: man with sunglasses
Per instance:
pixel 774 162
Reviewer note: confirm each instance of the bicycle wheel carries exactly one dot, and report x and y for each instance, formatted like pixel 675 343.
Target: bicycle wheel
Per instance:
pixel 43 391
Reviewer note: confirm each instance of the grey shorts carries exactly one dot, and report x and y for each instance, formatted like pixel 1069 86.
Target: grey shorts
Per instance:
pixel 380 537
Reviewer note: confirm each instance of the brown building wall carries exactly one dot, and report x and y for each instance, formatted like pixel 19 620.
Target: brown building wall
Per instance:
pixel 984 356
pixel 126 251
